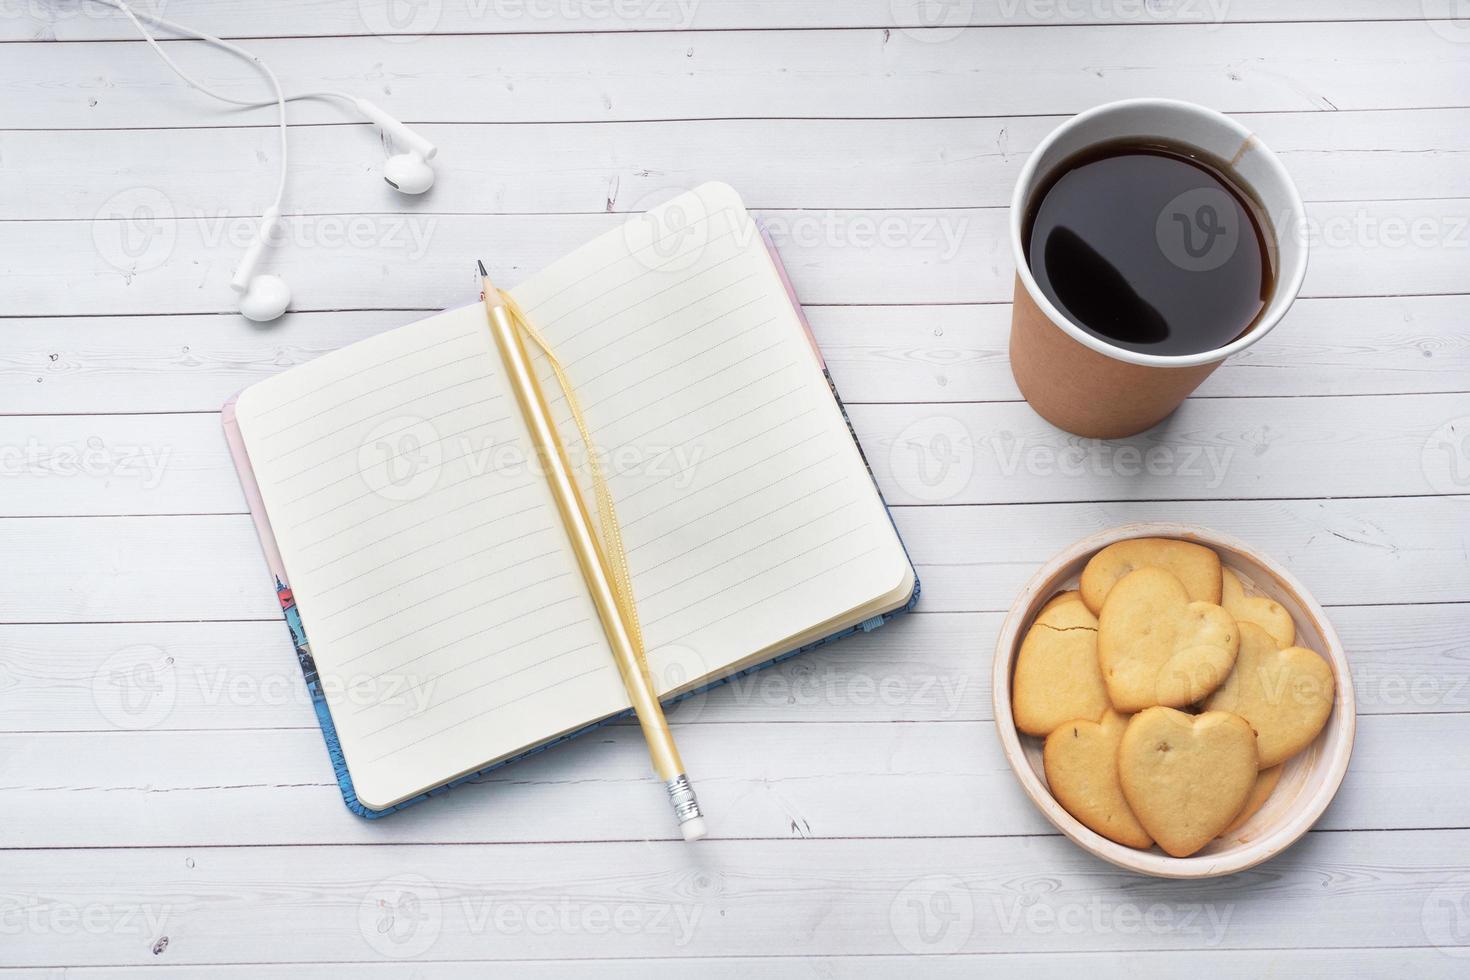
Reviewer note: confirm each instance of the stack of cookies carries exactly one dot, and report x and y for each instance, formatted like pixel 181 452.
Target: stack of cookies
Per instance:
pixel 1169 698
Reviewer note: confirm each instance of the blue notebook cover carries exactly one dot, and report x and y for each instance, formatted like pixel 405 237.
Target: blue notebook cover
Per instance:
pixel 303 646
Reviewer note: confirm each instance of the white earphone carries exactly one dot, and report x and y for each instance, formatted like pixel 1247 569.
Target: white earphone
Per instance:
pixel 265 297
pixel 407 172
pixel 262 297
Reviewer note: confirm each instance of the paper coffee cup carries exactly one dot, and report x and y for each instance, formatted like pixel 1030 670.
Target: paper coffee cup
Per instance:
pixel 1083 384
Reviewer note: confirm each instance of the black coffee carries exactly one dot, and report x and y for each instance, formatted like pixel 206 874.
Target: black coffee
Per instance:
pixel 1150 247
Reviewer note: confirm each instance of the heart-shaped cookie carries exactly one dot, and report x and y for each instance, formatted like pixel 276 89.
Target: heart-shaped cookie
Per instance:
pixel 1057 676
pixel 1285 695
pixel 1194 565
pixel 1156 646
pixel 1268 614
pixel 1266 781
pixel 1185 777
pixel 1081 760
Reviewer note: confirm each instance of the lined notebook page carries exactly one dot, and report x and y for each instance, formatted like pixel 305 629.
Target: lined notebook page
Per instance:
pixel 747 512
pixel 448 620
pixel 446 615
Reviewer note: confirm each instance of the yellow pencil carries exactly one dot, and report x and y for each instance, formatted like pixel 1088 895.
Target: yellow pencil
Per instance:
pixel 592 559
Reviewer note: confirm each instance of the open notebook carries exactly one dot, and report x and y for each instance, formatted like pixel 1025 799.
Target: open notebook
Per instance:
pixel 400 499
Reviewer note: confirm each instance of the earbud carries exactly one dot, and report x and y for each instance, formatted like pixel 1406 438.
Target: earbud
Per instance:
pixel 266 297
pixel 263 297
pixel 408 172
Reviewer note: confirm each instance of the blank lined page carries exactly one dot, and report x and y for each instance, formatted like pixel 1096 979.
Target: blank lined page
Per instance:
pixel 747 511
pixel 446 615
pixel 448 620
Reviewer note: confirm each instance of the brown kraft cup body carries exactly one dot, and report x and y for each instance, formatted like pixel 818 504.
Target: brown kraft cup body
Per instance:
pixel 1081 383
pixel 1086 393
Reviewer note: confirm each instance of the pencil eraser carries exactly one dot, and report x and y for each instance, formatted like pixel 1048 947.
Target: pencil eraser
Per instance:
pixel 694 828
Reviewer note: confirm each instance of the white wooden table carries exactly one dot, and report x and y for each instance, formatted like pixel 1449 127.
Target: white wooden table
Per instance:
pixel 165 799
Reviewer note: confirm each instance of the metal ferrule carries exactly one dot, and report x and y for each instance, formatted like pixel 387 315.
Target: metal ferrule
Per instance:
pixel 681 795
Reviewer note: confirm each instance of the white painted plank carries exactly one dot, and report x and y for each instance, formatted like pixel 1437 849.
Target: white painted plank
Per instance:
pixel 192 363
pixel 820 163
pixel 814 897
pixel 1348 552
pixel 964 453
pixel 923 667
pixel 1343 551
pixel 125 464
pixel 166 364
pixel 70 20
pixel 183 676
pixel 942 72
pixel 136 262
pixel 756 781
pixel 1440 963
pixel 1406 658
pixel 125 569
pixel 1209 448
pixel 937 354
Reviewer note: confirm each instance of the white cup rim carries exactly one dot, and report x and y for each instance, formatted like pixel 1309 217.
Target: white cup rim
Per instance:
pixel 1286 289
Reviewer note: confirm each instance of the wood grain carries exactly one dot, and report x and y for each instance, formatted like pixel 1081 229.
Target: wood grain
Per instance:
pixel 589 167
pixel 72 677
pixel 1344 551
pixel 898 354
pixel 156 265
pixel 1316 964
pixel 756 781
pixel 249 904
pixel 798 74
pixel 969 559
pixel 79 19
pixel 967 453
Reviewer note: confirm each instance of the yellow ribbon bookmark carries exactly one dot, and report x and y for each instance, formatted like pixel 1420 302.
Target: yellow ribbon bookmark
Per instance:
pixel 609 530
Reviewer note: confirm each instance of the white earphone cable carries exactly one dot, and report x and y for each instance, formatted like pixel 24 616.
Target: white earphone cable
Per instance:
pixel 279 101
pixel 266 297
pixel 190 32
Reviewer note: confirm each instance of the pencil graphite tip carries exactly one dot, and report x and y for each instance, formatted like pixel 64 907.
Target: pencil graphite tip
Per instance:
pixel 490 292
